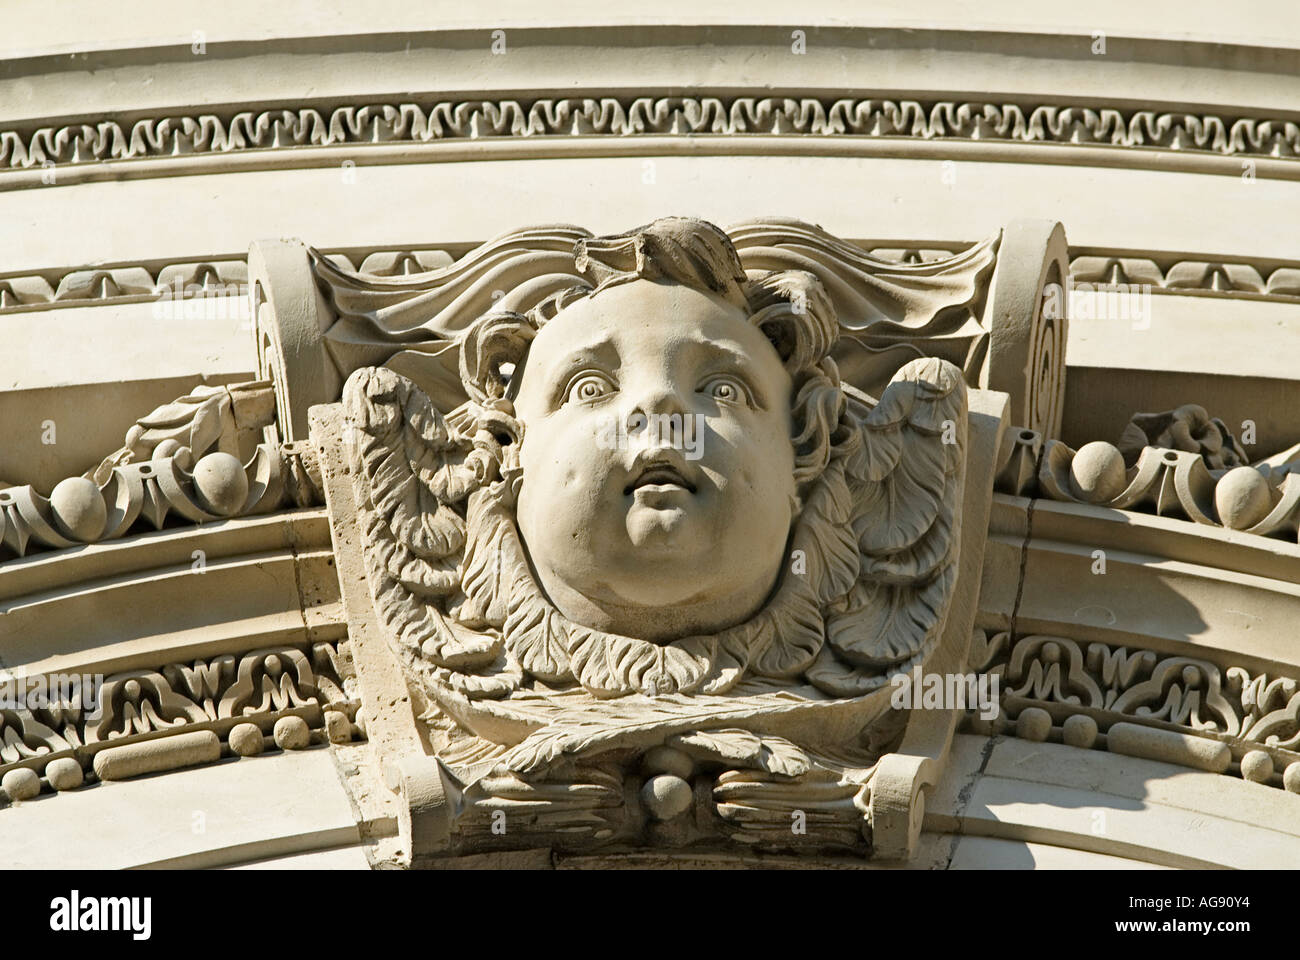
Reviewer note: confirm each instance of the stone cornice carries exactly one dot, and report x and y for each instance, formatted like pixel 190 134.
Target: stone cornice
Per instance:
pixel 227 273
pixel 176 136
pixel 156 719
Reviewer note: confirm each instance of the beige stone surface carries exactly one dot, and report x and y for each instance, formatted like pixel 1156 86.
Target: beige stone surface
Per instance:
pixel 990 853
pixel 447 46
pixel 1135 809
pixel 430 619
pixel 231 813
pixel 723 187
pixel 261 581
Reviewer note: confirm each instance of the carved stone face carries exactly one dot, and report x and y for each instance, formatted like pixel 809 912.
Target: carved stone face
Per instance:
pixel 658 484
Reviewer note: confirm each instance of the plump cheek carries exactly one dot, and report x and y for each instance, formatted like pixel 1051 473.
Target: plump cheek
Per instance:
pixel 753 455
pixel 566 474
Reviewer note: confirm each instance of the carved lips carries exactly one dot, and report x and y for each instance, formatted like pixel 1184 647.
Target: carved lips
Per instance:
pixel 657 476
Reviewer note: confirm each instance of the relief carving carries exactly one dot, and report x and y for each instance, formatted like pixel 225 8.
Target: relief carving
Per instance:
pixel 1189 710
pixel 152 719
pixel 1169 481
pixel 655 536
pixel 95 139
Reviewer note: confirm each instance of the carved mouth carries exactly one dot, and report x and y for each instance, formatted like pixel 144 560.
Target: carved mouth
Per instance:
pixel 659 475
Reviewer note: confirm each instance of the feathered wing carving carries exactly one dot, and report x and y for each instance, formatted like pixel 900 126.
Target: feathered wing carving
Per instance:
pixel 879 529
pixel 410 468
pixel 904 484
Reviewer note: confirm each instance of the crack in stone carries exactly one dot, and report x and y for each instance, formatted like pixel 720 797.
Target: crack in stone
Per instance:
pixel 292 543
pixel 1024 555
pixel 968 788
pixel 964 796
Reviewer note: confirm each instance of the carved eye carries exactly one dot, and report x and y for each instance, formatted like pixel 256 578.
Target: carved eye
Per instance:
pixel 589 387
pixel 726 390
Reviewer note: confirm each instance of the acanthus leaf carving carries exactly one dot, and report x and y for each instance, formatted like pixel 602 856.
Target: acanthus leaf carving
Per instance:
pixel 858 572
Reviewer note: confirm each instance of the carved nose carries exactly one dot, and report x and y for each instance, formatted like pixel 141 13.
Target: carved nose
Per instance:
pixel 654 405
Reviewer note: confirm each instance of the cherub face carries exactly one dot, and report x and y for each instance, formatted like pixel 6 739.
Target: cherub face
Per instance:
pixel 635 526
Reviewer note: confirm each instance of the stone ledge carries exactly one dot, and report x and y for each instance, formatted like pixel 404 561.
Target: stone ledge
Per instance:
pixel 1154 812
pixel 250 809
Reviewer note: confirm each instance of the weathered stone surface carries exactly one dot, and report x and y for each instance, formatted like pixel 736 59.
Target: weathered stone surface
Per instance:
pixel 21 784
pixel 154 756
pixel 64 773
pixel 418 481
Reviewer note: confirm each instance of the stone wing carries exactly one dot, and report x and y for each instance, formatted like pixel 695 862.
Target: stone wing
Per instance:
pixel 905 483
pixel 410 471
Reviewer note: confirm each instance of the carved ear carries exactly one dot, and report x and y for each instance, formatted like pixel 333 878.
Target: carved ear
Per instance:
pixel 492 341
pixel 907 478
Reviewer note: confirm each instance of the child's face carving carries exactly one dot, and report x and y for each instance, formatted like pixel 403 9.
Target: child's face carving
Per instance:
pixel 657 461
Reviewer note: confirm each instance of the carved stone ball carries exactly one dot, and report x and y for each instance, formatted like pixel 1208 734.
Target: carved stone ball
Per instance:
pixel 1291 777
pixel 337 726
pixel 1033 723
pixel 1242 498
pixel 220 484
pixel 666 796
pixel 246 739
pixel 166 449
pixel 1079 730
pixel 21 784
pixel 291 733
pixel 668 760
pixel 181 455
pixel 79 509
pixel 64 774
pixel 1256 766
pixel 1097 472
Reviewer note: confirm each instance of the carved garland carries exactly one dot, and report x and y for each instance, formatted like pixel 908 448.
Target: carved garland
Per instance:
pixel 137 495
pixel 1256 715
pixel 177 136
pixel 283 691
pixel 1261 500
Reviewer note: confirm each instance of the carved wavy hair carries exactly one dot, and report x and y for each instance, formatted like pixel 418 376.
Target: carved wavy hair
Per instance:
pixel 794 312
pixel 790 307
pixel 873 586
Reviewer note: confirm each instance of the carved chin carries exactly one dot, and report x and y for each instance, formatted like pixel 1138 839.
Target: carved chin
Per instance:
pixel 663 527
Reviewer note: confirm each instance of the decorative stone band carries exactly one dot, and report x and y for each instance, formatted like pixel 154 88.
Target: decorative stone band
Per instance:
pixel 1261 500
pixel 137 495
pixel 179 715
pixel 228 274
pixel 1100 269
pixel 1141 703
pixel 94 140
pixel 127 283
